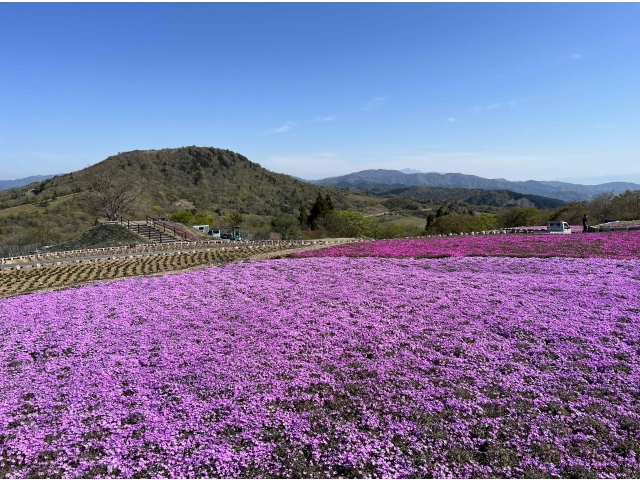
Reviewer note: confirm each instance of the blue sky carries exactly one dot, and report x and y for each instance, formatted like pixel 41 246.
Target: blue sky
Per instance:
pixel 518 91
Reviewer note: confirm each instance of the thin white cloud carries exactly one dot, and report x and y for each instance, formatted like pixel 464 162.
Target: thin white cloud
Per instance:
pixel 493 106
pixel 576 56
pixel 451 119
pixel 373 103
pixel 285 128
pixel 324 119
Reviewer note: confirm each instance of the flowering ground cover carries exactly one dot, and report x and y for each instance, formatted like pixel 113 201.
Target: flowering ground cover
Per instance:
pixel 618 245
pixel 329 367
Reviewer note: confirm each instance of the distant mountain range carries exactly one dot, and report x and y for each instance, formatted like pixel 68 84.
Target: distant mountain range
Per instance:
pixel 495 198
pixel 567 192
pixel 633 177
pixel 21 182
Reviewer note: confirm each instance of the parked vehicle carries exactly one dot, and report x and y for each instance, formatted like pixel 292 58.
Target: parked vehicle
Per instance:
pixel 215 233
pixel 203 228
pixel 558 227
pixel 230 234
pixel 235 234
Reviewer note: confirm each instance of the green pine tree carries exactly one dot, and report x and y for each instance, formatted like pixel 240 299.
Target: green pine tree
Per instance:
pixel 303 217
pixel 319 210
pixel 430 220
pixel 329 203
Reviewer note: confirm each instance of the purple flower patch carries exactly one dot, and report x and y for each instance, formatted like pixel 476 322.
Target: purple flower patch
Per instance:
pixel 335 367
pixel 618 245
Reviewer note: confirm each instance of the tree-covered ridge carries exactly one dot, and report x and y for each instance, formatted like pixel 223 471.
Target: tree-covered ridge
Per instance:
pixel 201 179
pixel 203 176
pixel 471 196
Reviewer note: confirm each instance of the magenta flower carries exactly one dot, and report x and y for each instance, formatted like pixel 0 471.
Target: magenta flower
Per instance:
pixel 618 245
pixel 367 367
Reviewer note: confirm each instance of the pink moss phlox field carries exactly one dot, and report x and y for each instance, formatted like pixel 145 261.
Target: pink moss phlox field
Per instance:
pixel 329 367
pixel 618 245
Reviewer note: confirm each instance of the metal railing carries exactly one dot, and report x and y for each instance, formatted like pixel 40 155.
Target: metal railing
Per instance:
pixel 161 223
pixel 146 230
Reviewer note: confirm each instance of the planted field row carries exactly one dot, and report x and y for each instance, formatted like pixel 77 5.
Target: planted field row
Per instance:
pixel 14 282
pixel 156 248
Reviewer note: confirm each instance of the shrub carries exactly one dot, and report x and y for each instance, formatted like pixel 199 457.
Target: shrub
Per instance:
pixel 287 226
pixel 389 230
pixel 520 217
pixel 462 224
pixel 202 218
pixel 184 216
pixel 345 223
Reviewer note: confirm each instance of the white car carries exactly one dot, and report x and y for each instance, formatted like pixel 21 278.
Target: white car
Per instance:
pixel 558 227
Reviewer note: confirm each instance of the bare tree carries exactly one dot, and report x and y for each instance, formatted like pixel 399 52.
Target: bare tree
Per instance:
pixel 287 226
pixel 111 194
pixel 601 207
pixel 626 206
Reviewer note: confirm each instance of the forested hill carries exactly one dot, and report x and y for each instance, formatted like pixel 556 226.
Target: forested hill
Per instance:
pixel 196 177
pixel 496 198
pixel 567 192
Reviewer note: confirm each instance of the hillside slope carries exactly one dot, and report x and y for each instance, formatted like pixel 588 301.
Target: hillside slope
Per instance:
pixel 102 236
pixel 194 177
pixel 559 190
pixel 210 180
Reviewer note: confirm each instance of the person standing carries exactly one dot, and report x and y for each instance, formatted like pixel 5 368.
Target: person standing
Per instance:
pixel 585 223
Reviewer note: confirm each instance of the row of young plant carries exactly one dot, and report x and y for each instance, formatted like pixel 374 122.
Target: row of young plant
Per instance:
pixel 14 282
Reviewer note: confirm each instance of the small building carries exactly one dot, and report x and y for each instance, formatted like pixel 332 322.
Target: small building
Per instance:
pixel 203 228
